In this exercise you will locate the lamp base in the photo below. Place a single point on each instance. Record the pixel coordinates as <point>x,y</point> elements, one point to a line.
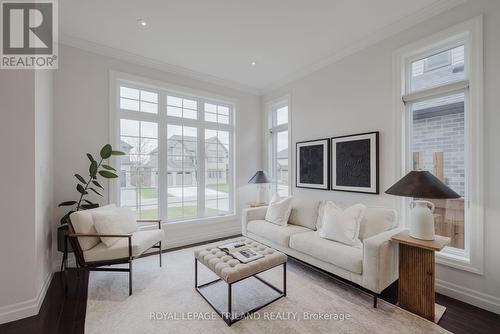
<point>422,220</point>
<point>262,193</point>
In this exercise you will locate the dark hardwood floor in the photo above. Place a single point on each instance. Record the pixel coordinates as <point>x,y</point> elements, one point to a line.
<point>64,307</point>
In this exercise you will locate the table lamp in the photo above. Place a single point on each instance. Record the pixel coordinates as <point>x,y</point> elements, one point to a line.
<point>422,184</point>
<point>261,179</point>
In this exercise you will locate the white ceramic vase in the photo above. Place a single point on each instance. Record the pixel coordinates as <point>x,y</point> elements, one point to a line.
<point>422,220</point>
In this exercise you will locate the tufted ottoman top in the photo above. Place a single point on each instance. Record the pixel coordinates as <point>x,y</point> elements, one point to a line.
<point>230,269</point>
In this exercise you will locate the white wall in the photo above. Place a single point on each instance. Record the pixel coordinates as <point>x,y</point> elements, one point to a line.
<point>17,194</point>
<point>355,95</point>
<point>26,192</point>
<point>44,176</point>
<point>81,124</point>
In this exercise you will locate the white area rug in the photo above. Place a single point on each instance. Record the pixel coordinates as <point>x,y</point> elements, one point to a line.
<point>168,295</point>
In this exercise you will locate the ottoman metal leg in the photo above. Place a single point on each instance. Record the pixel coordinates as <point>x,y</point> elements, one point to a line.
<point>228,317</point>
<point>284,279</point>
<point>229,303</point>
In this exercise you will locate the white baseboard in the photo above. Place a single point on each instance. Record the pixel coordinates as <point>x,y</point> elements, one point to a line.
<point>205,237</point>
<point>470,296</point>
<point>26,308</point>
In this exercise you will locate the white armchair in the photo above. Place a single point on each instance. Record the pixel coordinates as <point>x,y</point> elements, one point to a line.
<point>122,246</point>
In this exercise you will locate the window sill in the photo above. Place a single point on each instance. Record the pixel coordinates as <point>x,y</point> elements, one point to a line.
<point>189,223</point>
<point>211,219</point>
<point>457,261</point>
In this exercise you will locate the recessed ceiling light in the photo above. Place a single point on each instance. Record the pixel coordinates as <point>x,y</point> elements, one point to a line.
<point>253,63</point>
<point>142,22</point>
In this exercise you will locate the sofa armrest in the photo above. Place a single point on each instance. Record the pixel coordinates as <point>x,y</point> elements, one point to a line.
<point>250,214</point>
<point>380,260</point>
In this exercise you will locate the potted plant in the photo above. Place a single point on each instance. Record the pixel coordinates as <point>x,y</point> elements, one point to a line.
<point>84,186</point>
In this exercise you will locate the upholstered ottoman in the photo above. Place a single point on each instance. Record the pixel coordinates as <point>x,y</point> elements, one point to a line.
<point>231,271</point>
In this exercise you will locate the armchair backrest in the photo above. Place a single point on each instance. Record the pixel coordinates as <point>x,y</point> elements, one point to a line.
<point>82,222</point>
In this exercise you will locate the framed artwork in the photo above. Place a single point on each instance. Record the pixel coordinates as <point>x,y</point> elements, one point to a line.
<point>313,164</point>
<point>355,163</point>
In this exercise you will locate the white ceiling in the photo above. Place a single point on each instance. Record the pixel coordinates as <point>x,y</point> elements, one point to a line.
<point>220,38</point>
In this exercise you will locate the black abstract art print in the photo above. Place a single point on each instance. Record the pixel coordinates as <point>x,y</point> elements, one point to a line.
<point>313,164</point>
<point>355,163</point>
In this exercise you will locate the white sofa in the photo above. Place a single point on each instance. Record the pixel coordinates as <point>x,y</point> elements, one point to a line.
<point>373,265</point>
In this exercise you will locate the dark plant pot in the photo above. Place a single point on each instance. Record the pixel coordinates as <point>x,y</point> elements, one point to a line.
<point>62,232</point>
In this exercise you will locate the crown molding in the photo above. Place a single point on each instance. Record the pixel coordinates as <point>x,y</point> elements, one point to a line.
<point>335,55</point>
<point>134,58</point>
<point>374,38</point>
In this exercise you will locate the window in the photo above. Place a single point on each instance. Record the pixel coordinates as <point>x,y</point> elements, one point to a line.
<point>442,131</point>
<point>138,100</point>
<point>179,162</point>
<point>139,167</point>
<point>279,147</point>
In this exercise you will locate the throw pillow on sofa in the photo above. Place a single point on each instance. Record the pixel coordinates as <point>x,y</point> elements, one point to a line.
<point>304,212</point>
<point>279,210</point>
<point>342,225</point>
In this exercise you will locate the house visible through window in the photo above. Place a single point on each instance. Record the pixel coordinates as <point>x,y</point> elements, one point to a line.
<point>437,132</point>
<point>278,147</point>
<point>178,162</point>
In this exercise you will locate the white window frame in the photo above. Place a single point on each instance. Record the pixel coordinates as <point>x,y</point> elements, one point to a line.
<point>271,139</point>
<point>116,79</point>
<point>471,34</point>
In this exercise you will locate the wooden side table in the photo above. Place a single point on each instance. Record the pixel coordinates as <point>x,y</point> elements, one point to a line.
<point>417,274</point>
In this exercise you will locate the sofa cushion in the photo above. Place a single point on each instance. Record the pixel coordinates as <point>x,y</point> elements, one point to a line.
<point>279,235</point>
<point>377,220</point>
<point>346,257</point>
<point>279,210</point>
<point>304,213</point>
<point>141,242</point>
<point>83,222</point>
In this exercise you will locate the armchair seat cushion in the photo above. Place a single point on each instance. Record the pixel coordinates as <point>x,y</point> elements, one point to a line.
<point>277,234</point>
<point>141,242</point>
<point>341,255</point>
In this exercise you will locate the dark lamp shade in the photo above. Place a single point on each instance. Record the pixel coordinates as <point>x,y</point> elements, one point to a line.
<point>421,184</point>
<point>260,177</point>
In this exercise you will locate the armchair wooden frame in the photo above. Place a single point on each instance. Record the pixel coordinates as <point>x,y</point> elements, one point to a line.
<point>81,264</point>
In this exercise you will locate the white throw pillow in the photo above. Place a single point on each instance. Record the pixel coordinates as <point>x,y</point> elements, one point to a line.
<point>279,210</point>
<point>127,218</point>
<point>342,225</point>
<point>304,213</point>
<point>109,222</point>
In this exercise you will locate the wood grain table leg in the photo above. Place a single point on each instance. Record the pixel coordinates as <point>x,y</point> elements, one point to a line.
<point>416,280</point>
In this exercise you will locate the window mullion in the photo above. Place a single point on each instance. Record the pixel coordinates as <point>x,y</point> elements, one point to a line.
<point>200,168</point>
<point>441,90</point>
<point>163,157</point>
